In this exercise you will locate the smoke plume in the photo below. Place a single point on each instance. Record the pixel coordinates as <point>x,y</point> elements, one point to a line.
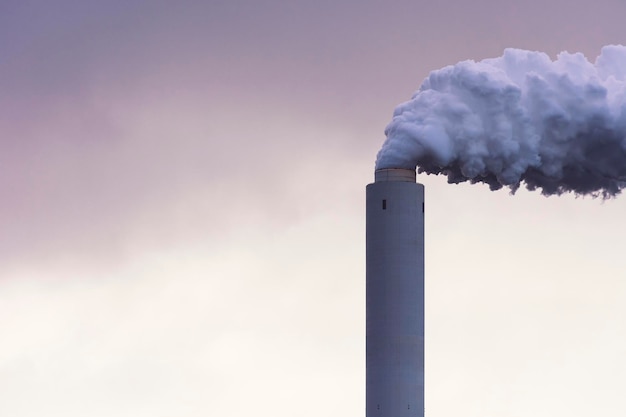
<point>557,126</point>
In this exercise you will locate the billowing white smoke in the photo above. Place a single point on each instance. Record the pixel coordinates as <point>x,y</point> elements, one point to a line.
<point>558,126</point>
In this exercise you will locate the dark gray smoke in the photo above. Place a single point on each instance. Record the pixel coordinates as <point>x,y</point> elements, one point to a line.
<point>557,126</point>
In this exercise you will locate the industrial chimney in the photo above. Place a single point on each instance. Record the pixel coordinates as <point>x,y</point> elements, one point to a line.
<point>395,295</point>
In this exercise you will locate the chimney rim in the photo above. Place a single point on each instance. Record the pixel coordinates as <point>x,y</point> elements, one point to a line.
<point>395,174</point>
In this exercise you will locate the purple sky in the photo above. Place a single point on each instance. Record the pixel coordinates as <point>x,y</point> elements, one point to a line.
<point>182,221</point>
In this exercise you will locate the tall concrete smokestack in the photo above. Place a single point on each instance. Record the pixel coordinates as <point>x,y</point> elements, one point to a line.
<point>395,295</point>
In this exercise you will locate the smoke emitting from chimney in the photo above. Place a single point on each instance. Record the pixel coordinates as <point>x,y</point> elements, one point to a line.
<point>557,126</point>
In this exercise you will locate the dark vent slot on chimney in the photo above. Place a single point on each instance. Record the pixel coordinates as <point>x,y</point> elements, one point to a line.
<point>384,204</point>
<point>422,207</point>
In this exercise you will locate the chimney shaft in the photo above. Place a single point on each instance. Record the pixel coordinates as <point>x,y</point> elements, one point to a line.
<point>395,295</point>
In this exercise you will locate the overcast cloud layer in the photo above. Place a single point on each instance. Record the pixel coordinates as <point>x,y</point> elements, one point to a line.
<point>182,219</point>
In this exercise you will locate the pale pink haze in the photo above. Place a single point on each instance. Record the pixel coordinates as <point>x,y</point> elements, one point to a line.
<point>182,219</point>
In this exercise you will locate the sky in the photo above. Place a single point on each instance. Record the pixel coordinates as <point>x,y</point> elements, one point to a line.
<point>182,227</point>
